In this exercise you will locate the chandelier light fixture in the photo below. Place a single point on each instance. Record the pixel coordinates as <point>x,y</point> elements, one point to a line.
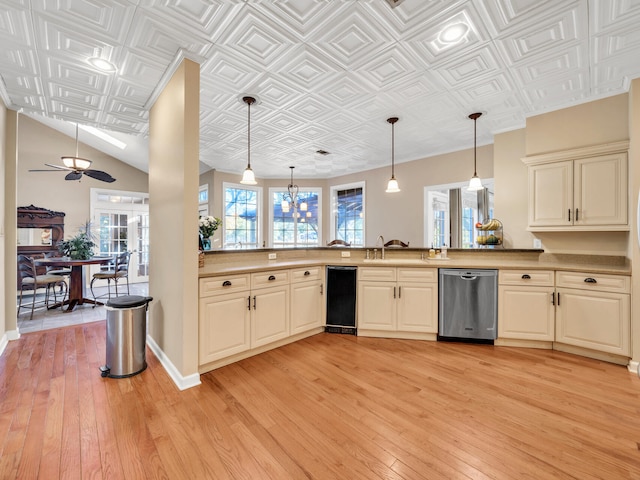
<point>290,199</point>
<point>248,177</point>
<point>475,184</point>
<point>392,186</point>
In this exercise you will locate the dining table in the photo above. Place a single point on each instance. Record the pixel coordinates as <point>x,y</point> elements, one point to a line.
<point>77,283</point>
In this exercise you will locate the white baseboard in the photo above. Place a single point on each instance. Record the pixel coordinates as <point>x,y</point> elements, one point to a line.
<point>7,337</point>
<point>634,367</point>
<point>181,381</point>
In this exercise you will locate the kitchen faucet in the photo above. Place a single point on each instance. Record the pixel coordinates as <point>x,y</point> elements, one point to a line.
<point>380,237</point>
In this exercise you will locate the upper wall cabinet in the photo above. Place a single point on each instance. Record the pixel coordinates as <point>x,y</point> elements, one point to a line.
<point>582,189</point>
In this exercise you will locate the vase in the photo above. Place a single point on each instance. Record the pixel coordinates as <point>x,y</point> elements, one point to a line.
<point>206,243</point>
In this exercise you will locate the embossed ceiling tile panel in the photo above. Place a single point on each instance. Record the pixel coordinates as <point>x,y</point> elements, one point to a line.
<point>573,88</point>
<point>431,49</point>
<point>130,91</point>
<point>609,14</point>
<point>67,40</point>
<point>76,97</point>
<point>15,25</point>
<point>303,17</point>
<point>162,39</point>
<point>542,67</point>
<point>17,60</point>
<point>626,39</point>
<point>510,15</point>
<point>616,74</point>
<point>208,18</point>
<point>75,74</point>
<point>256,36</point>
<point>391,66</point>
<point>71,112</point>
<point>125,124</point>
<point>485,89</point>
<point>352,37</point>
<point>103,18</point>
<point>545,35</point>
<point>410,15</point>
<point>304,66</point>
<point>461,69</point>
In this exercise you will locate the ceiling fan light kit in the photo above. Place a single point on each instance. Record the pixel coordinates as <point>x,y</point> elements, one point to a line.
<point>77,167</point>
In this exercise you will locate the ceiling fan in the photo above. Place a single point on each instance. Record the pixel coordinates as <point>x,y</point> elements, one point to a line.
<point>77,167</point>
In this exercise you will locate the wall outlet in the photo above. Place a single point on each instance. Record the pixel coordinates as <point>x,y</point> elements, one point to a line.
<point>272,256</point>
<point>537,243</point>
<point>345,254</point>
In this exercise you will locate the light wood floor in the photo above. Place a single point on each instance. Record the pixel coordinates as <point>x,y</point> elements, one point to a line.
<point>329,407</point>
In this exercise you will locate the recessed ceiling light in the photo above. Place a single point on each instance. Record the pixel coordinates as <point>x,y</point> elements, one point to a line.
<point>453,33</point>
<point>102,64</point>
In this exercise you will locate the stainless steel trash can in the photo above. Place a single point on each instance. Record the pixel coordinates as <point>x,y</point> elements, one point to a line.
<point>126,336</point>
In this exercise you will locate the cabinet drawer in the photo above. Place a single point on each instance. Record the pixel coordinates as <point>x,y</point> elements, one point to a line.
<point>306,274</point>
<point>269,279</point>
<point>594,281</point>
<point>223,284</point>
<point>429,275</point>
<point>377,274</point>
<point>539,278</point>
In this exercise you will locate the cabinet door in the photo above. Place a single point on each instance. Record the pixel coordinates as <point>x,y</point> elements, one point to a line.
<point>224,326</point>
<point>551,194</point>
<point>377,305</point>
<point>306,306</point>
<point>600,190</point>
<point>526,313</point>
<point>418,307</point>
<point>595,320</point>
<point>269,315</point>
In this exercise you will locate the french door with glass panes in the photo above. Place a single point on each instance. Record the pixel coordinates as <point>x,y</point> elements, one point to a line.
<point>121,223</point>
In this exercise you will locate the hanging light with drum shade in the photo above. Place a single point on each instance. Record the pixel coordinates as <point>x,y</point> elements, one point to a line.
<point>248,177</point>
<point>475,184</point>
<point>392,186</point>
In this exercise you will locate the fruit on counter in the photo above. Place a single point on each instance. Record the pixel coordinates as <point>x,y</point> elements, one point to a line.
<point>481,240</point>
<point>492,224</point>
<point>479,225</point>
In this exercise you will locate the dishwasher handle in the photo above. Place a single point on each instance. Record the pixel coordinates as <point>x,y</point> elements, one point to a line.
<point>468,277</point>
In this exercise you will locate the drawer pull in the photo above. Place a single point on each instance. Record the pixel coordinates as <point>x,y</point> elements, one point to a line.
<point>590,280</point>
<point>526,276</point>
<point>307,273</point>
<point>226,283</point>
<point>272,277</point>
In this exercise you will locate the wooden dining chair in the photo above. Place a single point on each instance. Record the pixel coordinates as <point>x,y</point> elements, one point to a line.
<point>30,280</point>
<point>116,271</point>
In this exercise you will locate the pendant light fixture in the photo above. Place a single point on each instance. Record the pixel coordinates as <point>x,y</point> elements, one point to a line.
<point>290,199</point>
<point>248,177</point>
<point>392,186</point>
<point>475,184</point>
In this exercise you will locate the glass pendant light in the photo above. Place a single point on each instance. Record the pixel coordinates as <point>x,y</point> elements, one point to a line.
<point>475,184</point>
<point>248,177</point>
<point>392,186</point>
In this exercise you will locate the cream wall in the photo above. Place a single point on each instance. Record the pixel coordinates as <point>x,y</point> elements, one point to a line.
<point>3,281</point>
<point>174,128</point>
<point>10,153</point>
<point>39,144</point>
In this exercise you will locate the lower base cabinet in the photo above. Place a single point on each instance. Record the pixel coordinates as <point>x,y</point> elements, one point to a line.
<point>269,315</point>
<point>224,326</point>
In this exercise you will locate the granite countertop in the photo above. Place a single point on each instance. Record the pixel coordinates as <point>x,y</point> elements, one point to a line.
<point>552,263</point>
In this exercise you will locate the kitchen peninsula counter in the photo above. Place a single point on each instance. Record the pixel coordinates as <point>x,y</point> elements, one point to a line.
<point>232,262</point>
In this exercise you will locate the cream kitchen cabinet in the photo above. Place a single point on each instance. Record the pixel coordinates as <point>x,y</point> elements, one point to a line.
<point>593,311</point>
<point>397,299</point>
<point>307,299</point>
<point>581,189</point>
<point>526,308</point>
<point>269,307</point>
<point>224,317</point>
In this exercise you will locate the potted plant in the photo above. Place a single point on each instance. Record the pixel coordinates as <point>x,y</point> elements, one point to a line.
<point>79,247</point>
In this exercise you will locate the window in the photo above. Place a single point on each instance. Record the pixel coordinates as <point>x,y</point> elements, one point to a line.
<point>203,200</point>
<point>241,225</point>
<point>295,227</point>
<point>451,213</point>
<point>347,213</point>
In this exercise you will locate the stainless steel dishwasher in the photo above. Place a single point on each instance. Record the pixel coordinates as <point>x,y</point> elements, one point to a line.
<point>468,305</point>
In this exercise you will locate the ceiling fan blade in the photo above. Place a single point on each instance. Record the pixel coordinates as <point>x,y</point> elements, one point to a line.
<point>73,176</point>
<point>59,167</point>
<point>48,170</point>
<point>99,175</point>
